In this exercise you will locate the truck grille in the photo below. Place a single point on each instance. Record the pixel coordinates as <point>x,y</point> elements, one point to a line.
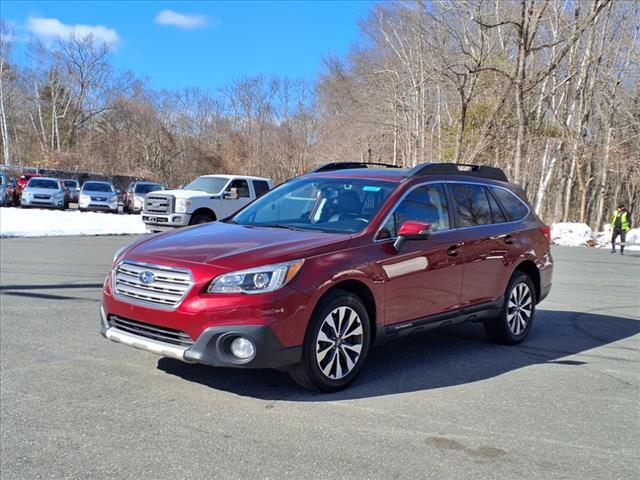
<point>153,332</point>
<point>154,203</point>
<point>161,286</point>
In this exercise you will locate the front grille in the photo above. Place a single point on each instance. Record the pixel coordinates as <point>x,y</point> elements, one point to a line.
<point>40,196</point>
<point>154,203</point>
<point>167,287</point>
<point>153,332</point>
<point>99,199</point>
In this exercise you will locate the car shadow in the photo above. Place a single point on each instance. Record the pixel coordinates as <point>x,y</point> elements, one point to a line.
<point>447,357</point>
<point>32,291</point>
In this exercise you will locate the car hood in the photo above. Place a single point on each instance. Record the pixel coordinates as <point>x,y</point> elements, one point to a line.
<point>187,193</point>
<point>234,247</point>
<point>42,191</point>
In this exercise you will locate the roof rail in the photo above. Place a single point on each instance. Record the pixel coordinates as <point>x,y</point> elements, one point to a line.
<point>329,167</point>
<point>482,171</point>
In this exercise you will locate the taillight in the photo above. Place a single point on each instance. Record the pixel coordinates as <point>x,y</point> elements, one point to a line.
<point>546,230</point>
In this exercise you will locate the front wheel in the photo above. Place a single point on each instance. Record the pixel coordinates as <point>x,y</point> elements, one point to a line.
<point>336,344</point>
<point>514,323</point>
<point>201,218</point>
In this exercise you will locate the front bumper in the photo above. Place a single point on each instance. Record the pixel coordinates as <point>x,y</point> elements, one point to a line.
<point>162,222</point>
<point>37,202</point>
<point>211,347</point>
<point>98,206</point>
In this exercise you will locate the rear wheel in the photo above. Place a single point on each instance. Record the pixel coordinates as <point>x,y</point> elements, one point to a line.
<point>336,344</point>
<point>516,317</point>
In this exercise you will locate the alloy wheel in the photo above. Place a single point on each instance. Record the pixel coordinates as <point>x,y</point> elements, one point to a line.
<point>339,342</point>
<point>520,308</point>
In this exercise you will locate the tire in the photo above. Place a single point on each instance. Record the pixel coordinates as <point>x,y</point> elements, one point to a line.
<point>514,323</point>
<point>329,365</point>
<point>201,218</point>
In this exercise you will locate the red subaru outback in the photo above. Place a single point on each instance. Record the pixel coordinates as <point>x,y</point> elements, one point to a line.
<point>314,273</point>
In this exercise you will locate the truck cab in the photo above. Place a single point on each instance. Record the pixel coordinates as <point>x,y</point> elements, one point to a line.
<point>206,199</point>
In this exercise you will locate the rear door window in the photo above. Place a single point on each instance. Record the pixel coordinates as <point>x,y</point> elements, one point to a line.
<point>427,203</point>
<point>514,208</point>
<point>261,187</point>
<point>471,204</point>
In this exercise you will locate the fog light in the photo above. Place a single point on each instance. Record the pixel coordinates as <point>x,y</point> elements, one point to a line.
<point>242,348</point>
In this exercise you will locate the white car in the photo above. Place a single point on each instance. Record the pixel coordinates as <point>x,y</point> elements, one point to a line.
<point>98,196</point>
<point>43,192</point>
<point>206,199</point>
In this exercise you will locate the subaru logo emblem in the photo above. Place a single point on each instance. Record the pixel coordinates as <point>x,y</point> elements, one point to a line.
<point>147,277</point>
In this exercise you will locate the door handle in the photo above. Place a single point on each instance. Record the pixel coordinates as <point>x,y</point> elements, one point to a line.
<point>452,251</point>
<point>508,239</point>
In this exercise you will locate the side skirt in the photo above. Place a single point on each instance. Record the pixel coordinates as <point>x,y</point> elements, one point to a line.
<point>474,313</point>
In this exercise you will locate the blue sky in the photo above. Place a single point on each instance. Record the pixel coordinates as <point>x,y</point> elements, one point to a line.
<point>206,44</point>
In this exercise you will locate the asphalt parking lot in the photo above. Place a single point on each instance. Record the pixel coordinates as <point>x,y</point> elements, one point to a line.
<point>565,404</point>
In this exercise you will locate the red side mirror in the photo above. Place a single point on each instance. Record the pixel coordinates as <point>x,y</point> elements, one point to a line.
<point>412,230</point>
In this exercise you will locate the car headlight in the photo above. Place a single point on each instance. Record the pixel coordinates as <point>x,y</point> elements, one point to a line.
<point>84,198</point>
<point>256,280</point>
<point>182,205</point>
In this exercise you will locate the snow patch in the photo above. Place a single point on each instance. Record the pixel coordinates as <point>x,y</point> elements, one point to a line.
<point>569,234</point>
<point>18,222</point>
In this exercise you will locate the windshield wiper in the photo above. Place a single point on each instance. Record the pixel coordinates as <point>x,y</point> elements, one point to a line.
<point>277,225</point>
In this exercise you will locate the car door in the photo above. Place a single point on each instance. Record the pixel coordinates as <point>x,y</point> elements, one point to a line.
<point>425,277</point>
<point>235,196</point>
<point>484,249</point>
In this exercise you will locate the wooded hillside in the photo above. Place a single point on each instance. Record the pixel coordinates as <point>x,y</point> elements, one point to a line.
<point>547,90</point>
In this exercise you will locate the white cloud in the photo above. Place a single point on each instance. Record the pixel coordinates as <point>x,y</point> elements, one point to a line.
<point>50,28</point>
<point>182,20</point>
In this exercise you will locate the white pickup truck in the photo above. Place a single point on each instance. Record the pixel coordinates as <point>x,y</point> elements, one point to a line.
<point>206,199</point>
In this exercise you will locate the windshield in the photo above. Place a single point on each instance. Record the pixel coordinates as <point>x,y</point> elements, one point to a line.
<point>148,187</point>
<point>207,184</point>
<point>97,187</point>
<point>70,184</point>
<point>333,205</point>
<point>43,183</point>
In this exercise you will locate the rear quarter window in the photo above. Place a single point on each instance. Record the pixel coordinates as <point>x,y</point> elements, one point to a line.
<point>514,208</point>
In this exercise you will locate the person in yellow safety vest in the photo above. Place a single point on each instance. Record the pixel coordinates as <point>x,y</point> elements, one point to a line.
<point>620,225</point>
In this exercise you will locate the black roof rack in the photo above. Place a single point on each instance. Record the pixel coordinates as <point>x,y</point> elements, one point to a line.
<point>482,171</point>
<point>329,167</point>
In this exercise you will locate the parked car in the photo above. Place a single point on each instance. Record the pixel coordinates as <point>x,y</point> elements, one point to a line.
<point>43,192</point>
<point>311,275</point>
<point>207,198</point>
<point>73,189</point>
<point>23,180</point>
<point>5,194</point>
<point>13,193</point>
<point>133,201</point>
<point>99,196</point>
